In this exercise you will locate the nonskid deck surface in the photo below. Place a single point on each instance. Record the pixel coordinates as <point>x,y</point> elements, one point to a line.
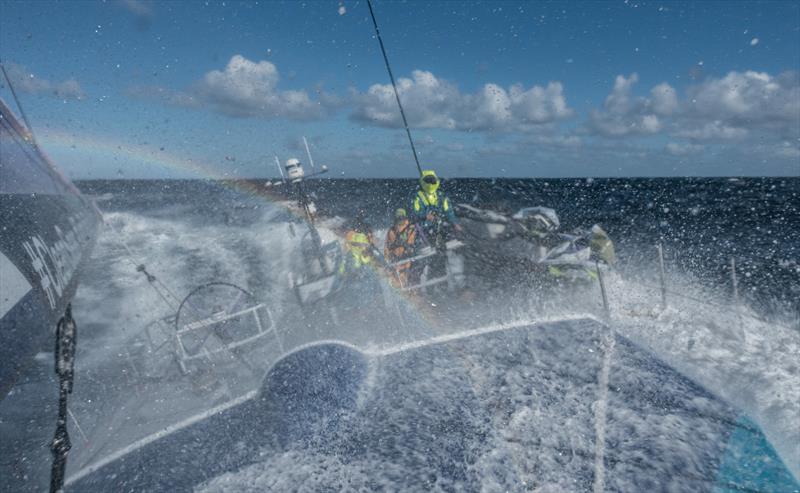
<point>516,408</point>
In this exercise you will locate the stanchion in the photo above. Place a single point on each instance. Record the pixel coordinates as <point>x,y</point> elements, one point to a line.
<point>662,276</point>
<point>736,307</point>
<point>601,406</point>
<point>601,280</point>
<point>735,284</point>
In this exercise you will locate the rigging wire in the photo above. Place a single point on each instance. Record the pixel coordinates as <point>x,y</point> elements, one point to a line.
<point>29,137</point>
<point>394,86</point>
<point>161,289</point>
<point>19,105</point>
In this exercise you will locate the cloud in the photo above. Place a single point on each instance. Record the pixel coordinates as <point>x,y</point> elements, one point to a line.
<point>664,99</point>
<point>740,113</point>
<point>731,108</point>
<point>557,140</point>
<point>623,114</point>
<point>751,98</point>
<point>742,106</point>
<point>162,94</point>
<point>788,150</point>
<point>431,102</point>
<point>25,81</point>
<point>244,89</point>
<point>137,7</point>
<point>247,88</point>
<point>677,149</point>
<point>142,11</point>
<point>715,130</point>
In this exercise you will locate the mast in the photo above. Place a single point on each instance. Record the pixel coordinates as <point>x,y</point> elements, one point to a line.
<point>310,159</point>
<point>280,170</point>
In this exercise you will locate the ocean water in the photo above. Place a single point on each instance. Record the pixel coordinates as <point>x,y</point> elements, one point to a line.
<point>702,223</point>
<point>189,233</point>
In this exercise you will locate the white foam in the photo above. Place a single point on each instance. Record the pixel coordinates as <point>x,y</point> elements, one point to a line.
<point>750,363</point>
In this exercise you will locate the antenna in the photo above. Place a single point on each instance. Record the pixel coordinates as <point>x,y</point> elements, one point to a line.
<point>280,170</point>
<point>394,86</point>
<point>310,160</point>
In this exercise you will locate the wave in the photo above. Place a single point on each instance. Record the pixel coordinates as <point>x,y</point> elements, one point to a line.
<point>747,362</point>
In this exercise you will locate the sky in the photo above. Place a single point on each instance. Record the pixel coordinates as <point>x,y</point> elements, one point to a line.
<point>145,89</point>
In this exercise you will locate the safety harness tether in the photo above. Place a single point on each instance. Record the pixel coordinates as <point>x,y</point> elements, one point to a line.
<point>66,338</point>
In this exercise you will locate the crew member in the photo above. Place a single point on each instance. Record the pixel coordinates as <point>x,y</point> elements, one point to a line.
<point>358,255</point>
<point>400,242</point>
<point>431,206</point>
<point>434,213</point>
<point>361,225</point>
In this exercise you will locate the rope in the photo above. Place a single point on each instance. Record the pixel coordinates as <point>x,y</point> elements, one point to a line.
<point>394,86</point>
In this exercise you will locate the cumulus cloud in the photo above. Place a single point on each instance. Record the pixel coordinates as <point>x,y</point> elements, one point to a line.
<point>748,98</point>
<point>738,106</point>
<point>624,114</point>
<point>664,99</point>
<point>25,81</point>
<point>247,88</point>
<point>742,106</point>
<point>431,102</point>
<point>244,89</point>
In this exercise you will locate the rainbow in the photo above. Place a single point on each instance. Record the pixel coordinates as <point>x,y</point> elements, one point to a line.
<point>114,150</point>
<point>143,154</point>
<point>106,148</point>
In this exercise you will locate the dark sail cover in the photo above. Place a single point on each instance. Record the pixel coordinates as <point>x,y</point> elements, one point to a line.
<point>47,230</point>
